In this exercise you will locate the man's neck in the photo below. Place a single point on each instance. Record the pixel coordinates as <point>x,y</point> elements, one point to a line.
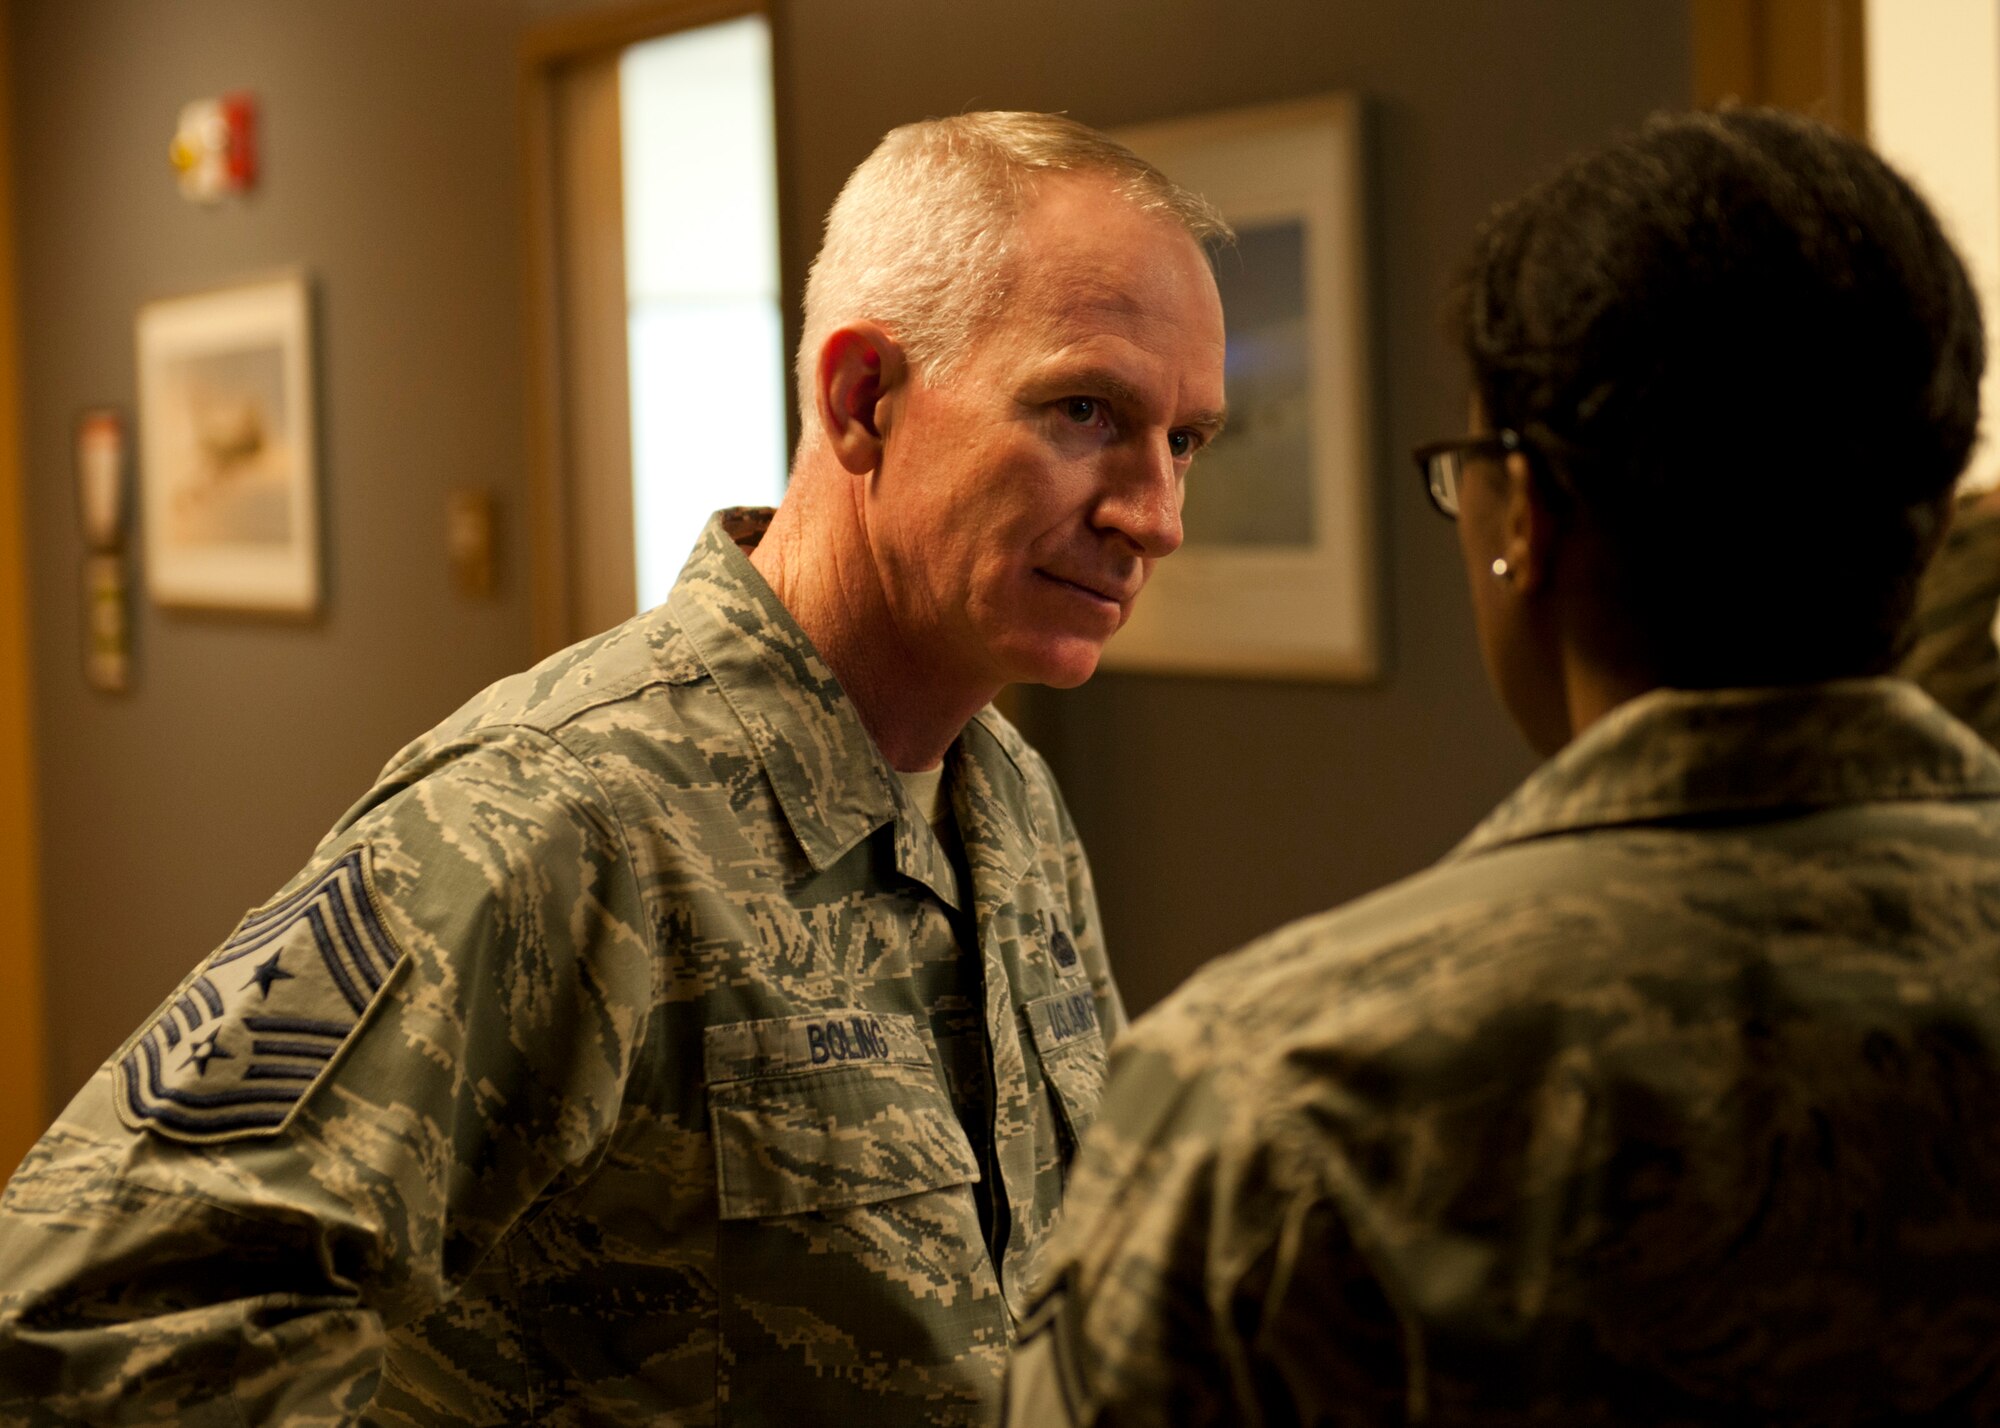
<point>817,566</point>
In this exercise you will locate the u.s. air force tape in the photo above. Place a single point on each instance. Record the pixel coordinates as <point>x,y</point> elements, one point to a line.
<point>250,1036</point>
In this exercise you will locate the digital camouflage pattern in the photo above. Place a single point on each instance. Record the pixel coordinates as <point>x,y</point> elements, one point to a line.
<point>1952,652</point>
<point>1667,1098</point>
<point>580,1078</point>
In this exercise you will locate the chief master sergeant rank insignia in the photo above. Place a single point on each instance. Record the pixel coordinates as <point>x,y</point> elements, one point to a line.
<point>247,1038</point>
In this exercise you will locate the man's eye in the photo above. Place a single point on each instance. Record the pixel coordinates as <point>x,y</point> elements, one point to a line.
<point>1082,410</point>
<point>1183,443</point>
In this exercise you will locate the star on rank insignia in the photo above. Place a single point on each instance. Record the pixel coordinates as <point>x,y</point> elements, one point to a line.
<point>268,972</point>
<point>205,1050</point>
<point>250,1035</point>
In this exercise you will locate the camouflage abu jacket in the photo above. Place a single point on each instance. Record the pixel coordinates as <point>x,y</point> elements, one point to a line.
<point>1669,1097</point>
<point>580,1079</point>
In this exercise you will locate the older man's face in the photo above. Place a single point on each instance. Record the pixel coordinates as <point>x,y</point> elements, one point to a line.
<point>1022,501</point>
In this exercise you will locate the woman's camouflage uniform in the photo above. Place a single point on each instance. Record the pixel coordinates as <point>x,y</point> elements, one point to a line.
<point>1670,1096</point>
<point>582,1077</point>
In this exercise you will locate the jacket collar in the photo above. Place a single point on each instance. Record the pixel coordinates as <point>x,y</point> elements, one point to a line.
<point>995,818</point>
<point>1677,753</point>
<point>832,782</point>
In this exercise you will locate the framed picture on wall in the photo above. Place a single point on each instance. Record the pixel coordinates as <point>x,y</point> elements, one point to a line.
<point>1277,575</point>
<point>228,476</point>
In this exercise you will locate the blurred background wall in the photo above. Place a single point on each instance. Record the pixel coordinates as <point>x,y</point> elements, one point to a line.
<point>1213,808</point>
<point>390,164</point>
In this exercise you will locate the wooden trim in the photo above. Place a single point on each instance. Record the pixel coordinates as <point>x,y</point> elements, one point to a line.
<point>22,1033</point>
<point>1726,45</point>
<point>550,617</point>
<point>595,368</point>
<point>574,37</point>
<point>1804,55</point>
<point>1847,67</point>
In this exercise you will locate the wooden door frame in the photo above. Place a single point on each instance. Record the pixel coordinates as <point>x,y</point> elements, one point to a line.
<point>1805,55</point>
<point>545,51</point>
<point>23,1033</point>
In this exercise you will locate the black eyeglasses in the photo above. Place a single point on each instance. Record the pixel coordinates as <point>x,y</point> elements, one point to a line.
<point>1441,463</point>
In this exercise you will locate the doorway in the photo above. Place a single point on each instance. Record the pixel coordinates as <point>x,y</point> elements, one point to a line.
<point>657,362</point>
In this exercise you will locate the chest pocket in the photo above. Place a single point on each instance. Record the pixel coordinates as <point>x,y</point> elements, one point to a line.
<point>1070,1045</point>
<point>827,1111</point>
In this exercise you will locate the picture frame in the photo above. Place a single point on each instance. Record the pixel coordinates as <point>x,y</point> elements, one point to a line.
<point>228,449</point>
<point>1277,575</point>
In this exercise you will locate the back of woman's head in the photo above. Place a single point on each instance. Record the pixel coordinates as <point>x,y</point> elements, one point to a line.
<point>1745,355</point>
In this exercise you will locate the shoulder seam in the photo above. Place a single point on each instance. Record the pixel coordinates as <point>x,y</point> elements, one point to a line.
<point>658,673</point>
<point>573,710</point>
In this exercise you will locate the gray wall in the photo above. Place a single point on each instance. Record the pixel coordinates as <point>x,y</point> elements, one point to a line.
<point>389,147</point>
<point>1213,809</point>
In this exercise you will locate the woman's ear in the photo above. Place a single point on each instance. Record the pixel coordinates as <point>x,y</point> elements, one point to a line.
<point>1530,530</point>
<point>861,369</point>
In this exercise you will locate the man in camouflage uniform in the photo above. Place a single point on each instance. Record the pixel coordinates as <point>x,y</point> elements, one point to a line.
<point>654,1043</point>
<point>1670,1095</point>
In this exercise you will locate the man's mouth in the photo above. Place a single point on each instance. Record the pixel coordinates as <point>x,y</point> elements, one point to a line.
<point>1108,593</point>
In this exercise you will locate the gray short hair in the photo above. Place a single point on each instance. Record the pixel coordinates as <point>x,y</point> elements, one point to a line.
<point>918,238</point>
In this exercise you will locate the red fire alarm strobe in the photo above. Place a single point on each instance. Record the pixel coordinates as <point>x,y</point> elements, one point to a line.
<point>215,148</point>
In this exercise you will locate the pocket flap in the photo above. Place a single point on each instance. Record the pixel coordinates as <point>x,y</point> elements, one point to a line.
<point>827,1111</point>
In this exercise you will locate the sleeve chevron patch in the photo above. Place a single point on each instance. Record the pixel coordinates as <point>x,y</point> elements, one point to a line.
<point>247,1039</point>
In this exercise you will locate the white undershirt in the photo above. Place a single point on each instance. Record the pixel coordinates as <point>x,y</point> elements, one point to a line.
<point>926,790</point>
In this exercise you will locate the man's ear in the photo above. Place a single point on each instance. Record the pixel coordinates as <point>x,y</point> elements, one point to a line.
<point>861,368</point>
<point>1532,530</point>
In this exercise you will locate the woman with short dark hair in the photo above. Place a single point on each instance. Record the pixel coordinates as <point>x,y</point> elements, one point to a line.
<point>1671,1096</point>
<point>1742,363</point>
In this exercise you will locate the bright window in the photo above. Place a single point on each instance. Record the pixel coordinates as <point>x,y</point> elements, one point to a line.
<point>705,339</point>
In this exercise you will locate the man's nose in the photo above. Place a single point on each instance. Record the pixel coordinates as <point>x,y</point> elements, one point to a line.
<point>1142,500</point>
